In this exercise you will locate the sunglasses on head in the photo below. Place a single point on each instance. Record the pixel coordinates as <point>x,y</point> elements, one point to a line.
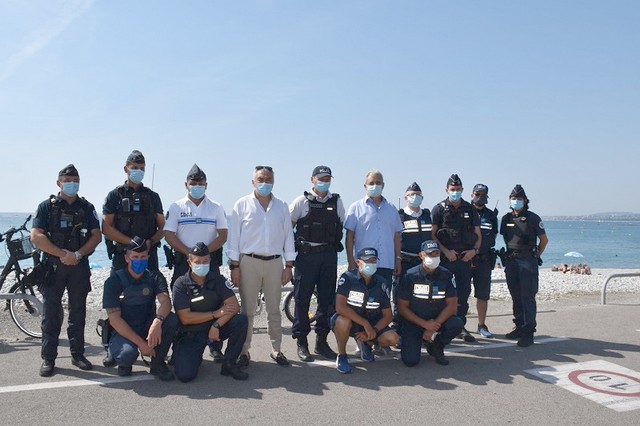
<point>269,168</point>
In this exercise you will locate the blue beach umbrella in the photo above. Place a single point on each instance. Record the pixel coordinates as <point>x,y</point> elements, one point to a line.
<point>573,254</point>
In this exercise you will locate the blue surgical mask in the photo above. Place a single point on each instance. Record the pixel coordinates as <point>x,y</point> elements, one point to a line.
<point>414,200</point>
<point>264,188</point>
<point>368,269</point>
<point>374,190</point>
<point>322,186</point>
<point>455,195</point>
<point>139,265</point>
<point>517,204</point>
<point>197,191</point>
<point>200,269</point>
<point>70,188</point>
<point>136,175</point>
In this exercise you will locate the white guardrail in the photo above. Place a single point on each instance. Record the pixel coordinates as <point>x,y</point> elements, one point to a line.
<point>603,292</point>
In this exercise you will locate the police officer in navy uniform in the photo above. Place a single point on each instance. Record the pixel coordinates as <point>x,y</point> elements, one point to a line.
<point>456,228</point>
<point>427,301</point>
<point>130,297</point>
<point>317,217</point>
<point>416,228</point>
<point>131,210</point>
<point>208,312</point>
<point>485,260</point>
<point>525,239</point>
<point>363,310</point>
<point>66,228</point>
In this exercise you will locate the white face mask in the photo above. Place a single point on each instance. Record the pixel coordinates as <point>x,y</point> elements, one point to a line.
<point>431,262</point>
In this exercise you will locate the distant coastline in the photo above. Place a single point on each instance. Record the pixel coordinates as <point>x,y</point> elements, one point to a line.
<point>613,216</point>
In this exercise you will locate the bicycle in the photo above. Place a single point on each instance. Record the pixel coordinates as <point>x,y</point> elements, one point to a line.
<point>24,300</point>
<point>289,306</point>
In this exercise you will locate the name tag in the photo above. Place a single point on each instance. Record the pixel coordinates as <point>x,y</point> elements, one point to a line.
<point>356,298</point>
<point>421,291</point>
<point>511,224</point>
<point>197,299</point>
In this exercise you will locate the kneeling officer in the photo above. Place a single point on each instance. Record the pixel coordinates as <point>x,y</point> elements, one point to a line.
<point>427,302</point>
<point>208,312</point>
<point>130,301</point>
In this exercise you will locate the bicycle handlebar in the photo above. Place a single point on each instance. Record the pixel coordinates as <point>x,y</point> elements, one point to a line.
<point>13,230</point>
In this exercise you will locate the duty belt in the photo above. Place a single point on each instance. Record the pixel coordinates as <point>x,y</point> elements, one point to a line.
<point>519,254</point>
<point>258,256</point>
<point>308,249</point>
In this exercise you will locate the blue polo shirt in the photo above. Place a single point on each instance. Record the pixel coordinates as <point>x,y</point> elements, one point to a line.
<point>368,301</point>
<point>427,293</point>
<point>374,226</point>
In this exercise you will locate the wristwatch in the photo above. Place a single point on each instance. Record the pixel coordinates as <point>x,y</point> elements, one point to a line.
<point>215,325</point>
<point>78,255</point>
<point>160,317</point>
<point>233,266</point>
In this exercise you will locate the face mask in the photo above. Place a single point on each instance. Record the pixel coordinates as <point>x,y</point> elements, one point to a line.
<point>517,204</point>
<point>70,188</point>
<point>322,186</point>
<point>264,189</point>
<point>197,191</point>
<point>139,265</point>
<point>431,262</point>
<point>455,195</point>
<point>480,200</point>
<point>200,269</point>
<point>136,175</point>
<point>374,190</point>
<point>368,269</point>
<point>414,200</point>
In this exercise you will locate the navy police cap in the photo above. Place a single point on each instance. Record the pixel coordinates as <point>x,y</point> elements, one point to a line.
<point>200,249</point>
<point>321,171</point>
<point>367,253</point>
<point>429,246</point>
<point>481,188</point>
<point>137,244</point>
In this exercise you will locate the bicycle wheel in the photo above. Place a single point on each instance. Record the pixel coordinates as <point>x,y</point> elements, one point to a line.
<point>25,313</point>
<point>290,306</point>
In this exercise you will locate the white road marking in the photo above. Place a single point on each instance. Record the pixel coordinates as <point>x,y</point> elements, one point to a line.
<point>75,383</point>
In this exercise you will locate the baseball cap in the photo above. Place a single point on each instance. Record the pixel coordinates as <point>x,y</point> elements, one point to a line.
<point>322,171</point>
<point>429,246</point>
<point>367,253</point>
<point>481,188</point>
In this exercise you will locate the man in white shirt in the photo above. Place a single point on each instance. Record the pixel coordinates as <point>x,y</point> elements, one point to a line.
<point>259,236</point>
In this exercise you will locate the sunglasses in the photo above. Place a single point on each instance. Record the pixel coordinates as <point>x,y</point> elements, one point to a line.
<point>269,168</point>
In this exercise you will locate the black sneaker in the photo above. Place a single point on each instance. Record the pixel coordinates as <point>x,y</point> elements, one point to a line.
<point>216,354</point>
<point>466,336</point>
<point>303,353</point>
<point>243,360</point>
<point>159,369</point>
<point>514,334</point>
<point>526,340</point>
<point>229,368</point>
<point>107,361</point>
<point>280,359</point>
<point>47,367</point>
<point>436,350</point>
<point>124,371</point>
<point>82,363</point>
<point>323,348</point>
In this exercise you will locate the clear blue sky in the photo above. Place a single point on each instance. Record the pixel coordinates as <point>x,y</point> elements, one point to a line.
<point>541,93</point>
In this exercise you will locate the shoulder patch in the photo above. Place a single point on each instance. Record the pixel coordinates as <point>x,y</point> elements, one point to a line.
<point>341,281</point>
<point>229,284</point>
<point>453,281</point>
<point>541,225</point>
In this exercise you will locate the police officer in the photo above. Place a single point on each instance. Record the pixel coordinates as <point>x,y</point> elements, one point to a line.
<point>416,228</point>
<point>427,303</point>
<point>525,239</point>
<point>66,228</point>
<point>317,217</point>
<point>363,310</point>
<point>132,209</point>
<point>485,260</point>
<point>129,298</point>
<point>208,311</point>
<point>456,228</point>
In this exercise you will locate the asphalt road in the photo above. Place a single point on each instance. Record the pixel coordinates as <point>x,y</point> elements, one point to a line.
<point>485,383</point>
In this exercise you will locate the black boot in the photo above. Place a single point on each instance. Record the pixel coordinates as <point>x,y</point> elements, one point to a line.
<point>436,350</point>
<point>229,368</point>
<point>159,368</point>
<point>526,340</point>
<point>303,349</point>
<point>323,348</point>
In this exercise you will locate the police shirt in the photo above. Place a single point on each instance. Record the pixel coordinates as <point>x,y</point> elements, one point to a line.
<point>187,294</point>
<point>195,223</point>
<point>368,301</point>
<point>488,228</point>
<point>464,216</point>
<point>427,293</point>
<point>136,298</point>
<point>521,232</point>
<point>113,202</point>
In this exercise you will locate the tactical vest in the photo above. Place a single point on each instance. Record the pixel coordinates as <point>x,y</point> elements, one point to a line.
<point>137,301</point>
<point>135,215</point>
<point>415,230</point>
<point>519,232</point>
<point>487,219</point>
<point>202,299</point>
<point>68,224</point>
<point>457,231</point>
<point>322,223</point>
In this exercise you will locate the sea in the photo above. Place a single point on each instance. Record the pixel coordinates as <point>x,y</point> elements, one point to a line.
<point>601,244</point>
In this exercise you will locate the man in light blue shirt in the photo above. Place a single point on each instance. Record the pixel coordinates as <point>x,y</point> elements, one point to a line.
<point>374,222</point>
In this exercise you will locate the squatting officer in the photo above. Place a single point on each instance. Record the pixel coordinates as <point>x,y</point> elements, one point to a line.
<point>456,228</point>
<point>521,229</point>
<point>427,303</point>
<point>208,311</point>
<point>363,310</point>
<point>317,217</point>
<point>129,298</point>
<point>485,260</point>
<point>131,210</point>
<point>66,228</point>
